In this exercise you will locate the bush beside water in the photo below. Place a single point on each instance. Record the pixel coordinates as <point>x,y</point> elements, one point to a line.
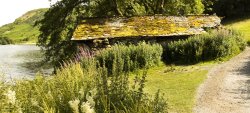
<point>5,41</point>
<point>214,45</point>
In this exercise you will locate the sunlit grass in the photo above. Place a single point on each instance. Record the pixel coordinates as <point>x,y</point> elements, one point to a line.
<point>178,83</point>
<point>243,26</point>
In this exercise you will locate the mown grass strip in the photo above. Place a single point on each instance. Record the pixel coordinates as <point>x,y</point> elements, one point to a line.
<point>178,83</point>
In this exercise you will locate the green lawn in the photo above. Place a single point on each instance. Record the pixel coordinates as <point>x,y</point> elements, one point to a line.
<point>178,83</point>
<point>242,25</point>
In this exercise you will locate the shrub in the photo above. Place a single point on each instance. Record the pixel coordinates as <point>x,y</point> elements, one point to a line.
<point>130,57</point>
<point>54,93</point>
<point>115,96</point>
<point>223,43</point>
<point>213,45</point>
<point>5,41</point>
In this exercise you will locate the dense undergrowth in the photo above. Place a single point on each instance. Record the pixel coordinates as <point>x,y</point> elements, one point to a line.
<point>100,82</point>
<point>85,86</point>
<point>213,45</point>
<point>132,57</point>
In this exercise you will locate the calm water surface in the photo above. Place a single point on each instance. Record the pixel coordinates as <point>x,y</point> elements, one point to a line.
<point>21,61</point>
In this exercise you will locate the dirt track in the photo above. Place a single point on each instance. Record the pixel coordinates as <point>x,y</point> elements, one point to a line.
<point>227,88</point>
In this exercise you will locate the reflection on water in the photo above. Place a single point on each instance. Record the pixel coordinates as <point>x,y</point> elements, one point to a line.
<point>21,61</point>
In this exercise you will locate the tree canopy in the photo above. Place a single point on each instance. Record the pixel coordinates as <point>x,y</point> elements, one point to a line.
<point>227,8</point>
<point>62,18</point>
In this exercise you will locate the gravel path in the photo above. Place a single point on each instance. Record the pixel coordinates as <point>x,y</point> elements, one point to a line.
<point>227,87</point>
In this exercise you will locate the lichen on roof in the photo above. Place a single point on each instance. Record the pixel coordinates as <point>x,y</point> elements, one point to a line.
<point>95,28</point>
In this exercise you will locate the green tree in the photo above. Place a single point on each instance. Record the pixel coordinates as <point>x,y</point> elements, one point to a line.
<point>208,4</point>
<point>5,40</point>
<point>57,29</point>
<point>61,19</point>
<point>173,7</point>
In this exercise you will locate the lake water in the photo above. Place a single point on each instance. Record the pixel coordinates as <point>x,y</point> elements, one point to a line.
<point>21,61</point>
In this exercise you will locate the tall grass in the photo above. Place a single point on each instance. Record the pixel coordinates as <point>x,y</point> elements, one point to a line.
<point>131,57</point>
<point>84,87</point>
<point>214,45</point>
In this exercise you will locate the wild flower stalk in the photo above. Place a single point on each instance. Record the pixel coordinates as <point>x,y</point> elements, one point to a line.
<point>11,97</point>
<point>87,108</point>
<point>75,105</point>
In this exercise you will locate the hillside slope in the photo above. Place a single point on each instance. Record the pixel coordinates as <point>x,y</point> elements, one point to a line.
<point>22,30</point>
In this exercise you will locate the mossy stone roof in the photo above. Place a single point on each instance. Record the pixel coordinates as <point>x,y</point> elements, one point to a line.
<point>95,28</point>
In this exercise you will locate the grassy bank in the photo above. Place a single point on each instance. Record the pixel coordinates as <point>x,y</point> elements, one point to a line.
<point>178,83</point>
<point>242,25</point>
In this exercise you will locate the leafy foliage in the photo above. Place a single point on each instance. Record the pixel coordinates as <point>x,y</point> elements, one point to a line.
<point>173,7</point>
<point>62,18</point>
<point>5,41</point>
<point>209,6</point>
<point>57,28</point>
<point>115,96</point>
<point>217,44</point>
<point>130,57</point>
